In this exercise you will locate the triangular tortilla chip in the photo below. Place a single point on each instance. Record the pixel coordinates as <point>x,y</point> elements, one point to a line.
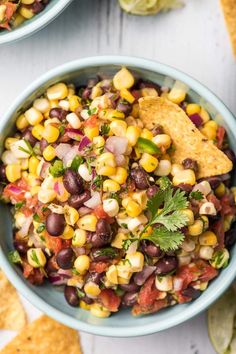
<point>44,336</point>
<point>188,141</point>
<point>12,314</point>
<point>229,9</point>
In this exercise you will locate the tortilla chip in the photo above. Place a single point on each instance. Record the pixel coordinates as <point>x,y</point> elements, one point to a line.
<point>188,141</point>
<point>12,314</point>
<point>44,336</point>
<point>229,9</point>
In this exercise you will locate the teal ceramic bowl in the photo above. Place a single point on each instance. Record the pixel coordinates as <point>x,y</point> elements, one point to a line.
<point>47,298</point>
<point>28,27</point>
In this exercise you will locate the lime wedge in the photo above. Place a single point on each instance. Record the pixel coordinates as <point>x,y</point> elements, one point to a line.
<point>221,321</point>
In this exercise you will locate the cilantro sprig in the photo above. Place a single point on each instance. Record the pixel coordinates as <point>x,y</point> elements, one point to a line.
<point>197,195</point>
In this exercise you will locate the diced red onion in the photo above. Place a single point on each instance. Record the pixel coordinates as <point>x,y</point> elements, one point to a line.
<point>94,201</point>
<point>14,189</point>
<point>117,144</point>
<point>59,188</point>
<point>84,211</point>
<point>25,227</point>
<point>196,119</point>
<point>74,134</point>
<point>84,142</point>
<point>120,160</point>
<point>142,276</point>
<point>66,272</point>
<point>79,251</point>
<point>36,241</point>
<point>62,149</point>
<point>58,279</point>
<point>177,283</point>
<point>44,169</point>
<point>74,151</point>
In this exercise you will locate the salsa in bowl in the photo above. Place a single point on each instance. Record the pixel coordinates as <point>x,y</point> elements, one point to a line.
<point>122,196</point>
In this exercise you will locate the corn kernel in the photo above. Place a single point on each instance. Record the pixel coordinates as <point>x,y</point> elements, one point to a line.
<point>124,269</point>
<point>208,238</point>
<point>118,240</point>
<point>53,104</point>
<point>68,233</point>
<point>111,206</point>
<point>106,164</point>
<point>49,153</point>
<point>193,108</point>
<point>96,92</point>
<point>205,220</point>
<point>110,186</point>
<point>10,141</point>
<point>73,120</point>
<point>164,283</point>
<point>204,115</point>
<point>210,130</point>
<point>84,306</point>
<point>33,180</point>
<point>34,190</point>
<point>196,228</point>
<point>140,198</point>
<point>162,140</point>
<point>118,127</point>
<point>136,260</point>
<point>51,133</point>
<point>91,132</point>
<point>46,196</point>
<point>163,169</point>
<point>33,164</point>
<point>33,116</point>
<point>87,222</point>
<point>148,162</point>
<point>36,257</point>
<point>37,131</point>
<point>57,92</point>
<point>22,122</point>
<point>206,252</point>
<point>74,102</point>
<point>132,134</point>
<point>220,190</point>
<point>133,209</point>
<point>82,264</point>
<point>71,215</point>
<point>178,92</point>
<point>124,93</point>
<point>112,275</point>
<point>99,311</point>
<point>98,143</point>
<point>146,134</point>
<point>123,79</point>
<point>113,114</point>
<point>79,238</point>
<point>175,168</point>
<point>185,176</point>
<point>189,214</point>
<point>13,172</point>
<point>149,91</point>
<point>91,289</point>
<point>26,12</point>
<point>42,105</point>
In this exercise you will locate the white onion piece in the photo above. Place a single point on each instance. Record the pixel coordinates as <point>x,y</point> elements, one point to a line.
<point>25,228</point>
<point>117,144</point>
<point>94,201</point>
<point>120,160</point>
<point>84,211</point>
<point>177,283</point>
<point>67,272</point>
<point>132,248</point>
<point>62,149</point>
<point>68,158</point>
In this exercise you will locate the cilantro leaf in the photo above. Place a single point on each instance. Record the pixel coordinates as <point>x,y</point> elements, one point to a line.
<point>106,251</point>
<point>127,243</point>
<point>36,217</point>
<point>14,257</point>
<point>97,182</point>
<point>40,228</point>
<point>105,129</point>
<point>34,257</point>
<point>165,239</point>
<point>57,169</point>
<point>92,111</point>
<point>197,195</point>
<point>164,182</point>
<point>177,220</point>
<point>155,202</point>
<point>77,161</point>
<point>80,293</point>
<point>19,205</point>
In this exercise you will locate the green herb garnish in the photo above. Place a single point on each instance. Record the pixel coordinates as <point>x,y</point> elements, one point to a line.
<point>77,161</point>
<point>106,251</point>
<point>19,205</point>
<point>92,111</point>
<point>28,150</point>
<point>197,195</point>
<point>57,169</point>
<point>105,129</point>
<point>97,182</point>
<point>127,243</point>
<point>40,228</point>
<point>35,258</point>
<point>62,129</point>
<point>14,257</point>
<point>75,272</point>
<point>80,293</point>
<point>165,239</point>
<point>36,217</point>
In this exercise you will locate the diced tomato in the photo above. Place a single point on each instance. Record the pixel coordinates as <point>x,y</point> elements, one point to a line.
<point>14,193</point>
<point>207,271</point>
<point>10,10</point>
<point>142,310</point>
<point>27,269</point>
<point>36,277</point>
<point>98,267</point>
<point>91,122</point>
<point>137,94</point>
<point>181,298</point>
<point>220,137</point>
<point>100,213</point>
<point>55,244</point>
<point>188,273</point>
<point>218,229</point>
<point>109,299</point>
<point>228,205</point>
<point>212,198</point>
<point>149,293</point>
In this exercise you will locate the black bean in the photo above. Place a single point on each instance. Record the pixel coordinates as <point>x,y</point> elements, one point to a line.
<point>158,129</point>
<point>125,108</point>
<point>230,154</point>
<point>230,236</point>
<point>214,181</point>
<point>129,299</point>
<point>43,144</point>
<point>58,113</point>
<point>87,300</point>
<point>71,295</point>
<point>131,287</point>
<point>21,246</point>
<point>190,164</point>
<point>94,277</point>
<point>92,82</point>
<point>140,178</point>
<point>37,7</point>
<point>103,233</point>
<point>3,177</point>
<point>150,249</point>
<point>185,187</point>
<point>78,200</point>
<point>55,224</point>
<point>166,265</point>
<point>73,183</point>
<point>27,135</point>
<point>86,93</point>
<point>148,84</point>
<point>65,258</point>
<point>152,191</point>
<point>191,292</point>
<point>51,266</point>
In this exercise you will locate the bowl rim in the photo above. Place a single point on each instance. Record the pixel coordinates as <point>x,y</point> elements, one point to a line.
<point>188,312</point>
<point>33,26</point>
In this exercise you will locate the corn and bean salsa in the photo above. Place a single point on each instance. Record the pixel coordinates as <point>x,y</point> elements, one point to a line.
<point>15,12</point>
<point>100,208</point>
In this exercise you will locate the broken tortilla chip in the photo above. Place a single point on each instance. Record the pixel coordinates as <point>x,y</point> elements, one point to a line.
<point>12,314</point>
<point>44,336</point>
<point>188,141</point>
<point>229,9</point>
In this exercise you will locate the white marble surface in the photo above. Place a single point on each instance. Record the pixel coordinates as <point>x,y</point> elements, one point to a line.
<point>193,39</point>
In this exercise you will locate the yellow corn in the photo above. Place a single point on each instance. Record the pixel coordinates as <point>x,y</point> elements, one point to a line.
<point>37,131</point>
<point>42,105</point>
<point>185,176</point>
<point>105,164</point>
<point>210,129</point>
<point>205,220</point>
<point>13,172</point>
<point>140,198</point>
<point>112,114</point>
<point>79,238</point>
<point>36,257</point>
<point>189,214</point>
<point>178,92</point>
<point>196,228</point>
<point>123,79</point>
<point>148,162</point>
<point>34,190</point>
<point>176,168</point>
<point>120,176</point>
<point>68,233</point>
<point>98,143</point>
<point>82,264</point>
<point>193,108</point>
<point>133,209</point>
<point>99,311</point>
<point>33,180</point>
<point>132,134</point>
<point>87,222</point>
<point>64,195</point>
<point>74,102</point>
<point>112,275</point>
<point>46,196</point>
<point>110,186</point>
<point>220,190</point>
<point>96,92</point>
<point>22,122</point>
<point>149,91</point>
<point>33,164</point>
<point>136,261</point>
<point>33,116</point>
<point>124,93</point>
<point>208,238</point>
<point>49,153</point>
<point>71,215</point>
<point>204,115</point>
<point>162,140</point>
<point>51,133</point>
<point>91,132</point>
<point>26,12</point>
<point>84,306</point>
<point>91,289</point>
<point>10,141</point>
<point>146,134</point>
<point>118,240</point>
<point>57,92</point>
<point>118,127</point>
